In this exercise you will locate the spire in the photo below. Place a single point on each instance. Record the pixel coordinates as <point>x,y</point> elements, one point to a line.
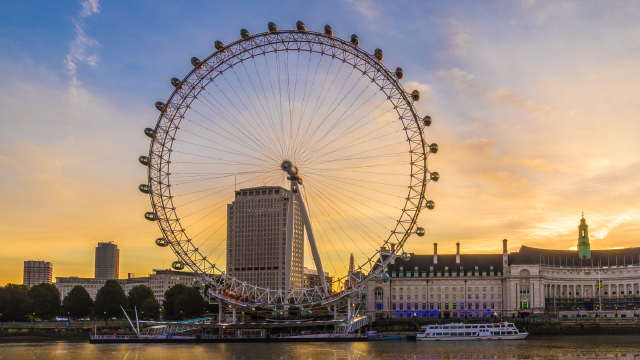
<point>352,263</point>
<point>584,248</point>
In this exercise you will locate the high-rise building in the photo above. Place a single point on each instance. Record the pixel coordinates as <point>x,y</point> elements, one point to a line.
<point>257,238</point>
<point>312,279</point>
<point>107,261</point>
<point>37,272</point>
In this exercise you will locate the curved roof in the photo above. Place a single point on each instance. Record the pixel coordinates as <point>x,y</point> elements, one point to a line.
<point>610,257</point>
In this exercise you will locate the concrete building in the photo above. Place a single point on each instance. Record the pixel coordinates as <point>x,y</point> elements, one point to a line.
<point>107,261</point>
<point>37,272</point>
<point>162,280</point>
<point>529,281</point>
<point>311,279</point>
<point>257,240</point>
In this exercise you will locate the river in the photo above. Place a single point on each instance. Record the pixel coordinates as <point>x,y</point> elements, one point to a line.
<point>541,347</point>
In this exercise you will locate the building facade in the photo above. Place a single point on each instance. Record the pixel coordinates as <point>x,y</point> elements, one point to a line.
<point>529,281</point>
<point>311,279</point>
<point>107,261</point>
<point>37,272</point>
<point>162,280</point>
<point>257,238</point>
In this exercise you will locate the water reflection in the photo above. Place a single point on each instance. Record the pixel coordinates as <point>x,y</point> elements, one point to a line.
<point>563,347</point>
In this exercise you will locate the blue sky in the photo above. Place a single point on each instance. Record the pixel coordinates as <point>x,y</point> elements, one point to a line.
<point>535,107</point>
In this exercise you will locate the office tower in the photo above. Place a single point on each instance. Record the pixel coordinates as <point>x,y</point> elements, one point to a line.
<point>107,261</point>
<point>257,238</point>
<point>37,272</point>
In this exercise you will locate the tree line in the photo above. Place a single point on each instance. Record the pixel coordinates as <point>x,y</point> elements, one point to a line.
<point>43,301</point>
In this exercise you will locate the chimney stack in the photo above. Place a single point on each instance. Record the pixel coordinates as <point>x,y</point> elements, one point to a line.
<point>435,253</point>
<point>458,253</point>
<point>505,257</point>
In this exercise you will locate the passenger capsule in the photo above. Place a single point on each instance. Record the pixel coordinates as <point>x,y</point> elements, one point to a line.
<point>197,284</point>
<point>430,204</point>
<point>406,256</point>
<point>176,82</point>
<point>144,188</point>
<point>150,133</point>
<point>272,27</point>
<point>162,242</point>
<point>415,95</point>
<point>219,45</point>
<point>195,61</point>
<point>249,309</point>
<point>435,176</point>
<point>328,31</point>
<point>177,265</point>
<point>354,40</point>
<point>420,231</point>
<point>378,54</point>
<point>385,278</point>
<point>244,33</point>
<point>433,148</point>
<point>151,216</point>
<point>300,26</point>
<point>305,313</point>
<point>161,106</point>
<point>144,160</point>
<point>399,73</point>
<point>363,294</point>
<point>427,120</point>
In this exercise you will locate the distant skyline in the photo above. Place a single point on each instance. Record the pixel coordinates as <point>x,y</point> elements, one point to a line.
<point>534,107</point>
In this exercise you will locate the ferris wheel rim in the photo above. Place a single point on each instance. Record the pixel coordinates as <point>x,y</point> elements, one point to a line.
<point>161,197</point>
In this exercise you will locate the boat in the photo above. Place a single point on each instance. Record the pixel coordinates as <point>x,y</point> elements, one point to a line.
<point>460,331</point>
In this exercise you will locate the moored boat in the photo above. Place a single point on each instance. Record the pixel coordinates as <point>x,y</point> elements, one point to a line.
<point>459,331</point>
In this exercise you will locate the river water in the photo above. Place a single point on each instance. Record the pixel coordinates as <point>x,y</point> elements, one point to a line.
<point>556,347</point>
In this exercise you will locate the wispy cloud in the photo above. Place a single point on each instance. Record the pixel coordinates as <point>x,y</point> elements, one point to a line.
<point>82,48</point>
<point>365,7</point>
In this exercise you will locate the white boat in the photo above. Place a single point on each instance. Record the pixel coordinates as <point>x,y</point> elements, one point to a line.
<point>495,331</point>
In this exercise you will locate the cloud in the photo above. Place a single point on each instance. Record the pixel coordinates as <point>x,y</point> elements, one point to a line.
<point>461,38</point>
<point>507,96</point>
<point>365,7</point>
<point>82,48</point>
<point>604,230</point>
<point>426,92</point>
<point>459,78</point>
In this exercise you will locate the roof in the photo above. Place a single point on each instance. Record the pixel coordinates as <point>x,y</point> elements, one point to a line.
<point>610,257</point>
<point>468,262</point>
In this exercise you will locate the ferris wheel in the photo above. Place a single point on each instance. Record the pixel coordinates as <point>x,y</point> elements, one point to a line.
<point>307,116</point>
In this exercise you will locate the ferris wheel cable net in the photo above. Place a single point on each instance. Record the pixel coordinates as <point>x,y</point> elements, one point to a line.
<point>338,123</point>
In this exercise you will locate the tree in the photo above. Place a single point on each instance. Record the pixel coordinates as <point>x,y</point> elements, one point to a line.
<point>189,304</point>
<point>170,297</point>
<point>138,295</point>
<point>78,303</point>
<point>109,299</point>
<point>150,308</point>
<point>13,302</point>
<point>44,301</point>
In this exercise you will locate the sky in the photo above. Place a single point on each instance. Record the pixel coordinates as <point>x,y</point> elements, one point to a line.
<point>534,106</point>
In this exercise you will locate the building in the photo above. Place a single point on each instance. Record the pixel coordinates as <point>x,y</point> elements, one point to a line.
<point>311,279</point>
<point>37,272</point>
<point>257,238</point>
<point>107,261</point>
<point>529,281</point>
<point>159,281</point>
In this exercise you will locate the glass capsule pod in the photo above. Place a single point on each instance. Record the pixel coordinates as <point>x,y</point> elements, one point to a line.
<point>415,95</point>
<point>177,265</point>
<point>363,294</point>
<point>301,26</point>
<point>161,106</point>
<point>150,133</point>
<point>219,45</point>
<point>399,73</point>
<point>305,313</point>
<point>195,61</point>
<point>385,278</point>
<point>272,27</point>
<point>144,188</point>
<point>144,160</point>
<point>355,40</point>
<point>378,54</point>
<point>176,83</point>
<point>435,176</point>
<point>151,216</point>
<point>162,242</point>
<point>328,30</point>
<point>244,33</point>
<point>427,120</point>
<point>197,284</point>
<point>249,309</point>
<point>430,204</point>
<point>420,231</point>
<point>406,256</point>
<point>433,148</point>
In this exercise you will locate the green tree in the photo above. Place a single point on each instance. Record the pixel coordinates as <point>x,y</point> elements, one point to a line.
<point>138,295</point>
<point>13,302</point>
<point>78,303</point>
<point>170,297</point>
<point>150,308</point>
<point>189,304</point>
<point>109,299</point>
<point>44,301</point>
